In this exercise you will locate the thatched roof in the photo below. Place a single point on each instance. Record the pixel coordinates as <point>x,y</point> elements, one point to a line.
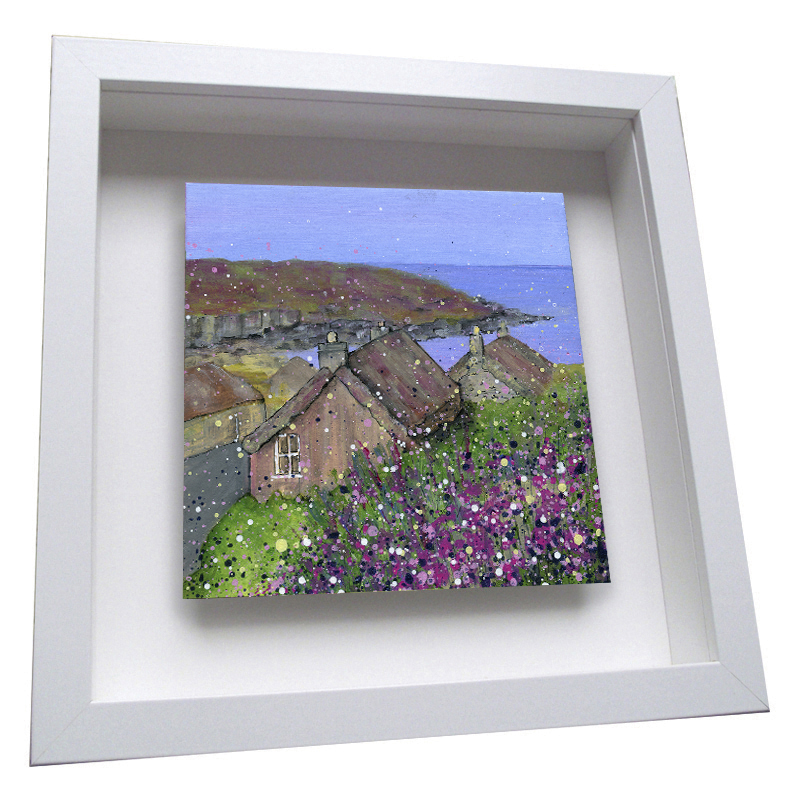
<point>403,377</point>
<point>208,389</point>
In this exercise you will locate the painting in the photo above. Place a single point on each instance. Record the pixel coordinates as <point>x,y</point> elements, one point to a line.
<point>384,390</point>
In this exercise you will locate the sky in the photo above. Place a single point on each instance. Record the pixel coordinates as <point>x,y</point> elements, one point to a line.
<point>376,226</point>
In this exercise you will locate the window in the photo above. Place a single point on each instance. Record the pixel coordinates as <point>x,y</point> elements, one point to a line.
<point>287,454</point>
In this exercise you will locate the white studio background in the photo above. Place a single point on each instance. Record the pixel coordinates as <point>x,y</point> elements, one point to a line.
<point>736,75</point>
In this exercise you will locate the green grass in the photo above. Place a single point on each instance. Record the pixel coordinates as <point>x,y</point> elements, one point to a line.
<point>243,548</point>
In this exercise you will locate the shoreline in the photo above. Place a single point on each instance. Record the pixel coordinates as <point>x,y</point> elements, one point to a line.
<point>305,336</point>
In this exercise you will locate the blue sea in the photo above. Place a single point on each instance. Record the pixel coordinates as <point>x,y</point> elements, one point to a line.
<point>535,290</point>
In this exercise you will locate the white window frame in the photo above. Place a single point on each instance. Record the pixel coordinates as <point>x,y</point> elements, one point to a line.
<point>288,454</point>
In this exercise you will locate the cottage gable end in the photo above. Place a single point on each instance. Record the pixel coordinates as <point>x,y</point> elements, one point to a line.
<point>505,362</point>
<point>324,436</point>
<point>283,417</point>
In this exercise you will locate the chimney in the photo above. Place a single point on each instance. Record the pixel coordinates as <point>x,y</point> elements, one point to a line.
<point>476,345</point>
<point>377,332</point>
<point>333,353</point>
<point>503,331</point>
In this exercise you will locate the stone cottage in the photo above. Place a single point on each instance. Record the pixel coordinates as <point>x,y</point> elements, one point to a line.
<point>503,369</point>
<point>388,391</point>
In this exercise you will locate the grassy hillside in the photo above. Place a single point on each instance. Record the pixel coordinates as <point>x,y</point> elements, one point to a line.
<point>340,291</point>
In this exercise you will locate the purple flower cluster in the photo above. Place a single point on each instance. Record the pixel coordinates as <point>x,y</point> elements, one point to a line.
<point>471,510</point>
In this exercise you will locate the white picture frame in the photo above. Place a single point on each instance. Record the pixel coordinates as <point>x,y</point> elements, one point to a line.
<point>633,121</point>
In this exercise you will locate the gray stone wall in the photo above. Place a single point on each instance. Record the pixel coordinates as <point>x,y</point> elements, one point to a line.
<point>202,330</point>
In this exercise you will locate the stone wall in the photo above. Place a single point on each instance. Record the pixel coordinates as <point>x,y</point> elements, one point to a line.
<point>201,329</point>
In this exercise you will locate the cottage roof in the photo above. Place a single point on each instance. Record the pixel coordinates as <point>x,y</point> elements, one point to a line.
<point>403,377</point>
<point>208,389</point>
<point>510,360</point>
<point>523,362</point>
<point>306,396</point>
<point>294,374</point>
<point>363,395</point>
<point>288,411</point>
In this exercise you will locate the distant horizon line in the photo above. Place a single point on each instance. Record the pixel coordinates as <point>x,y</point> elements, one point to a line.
<point>370,264</point>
